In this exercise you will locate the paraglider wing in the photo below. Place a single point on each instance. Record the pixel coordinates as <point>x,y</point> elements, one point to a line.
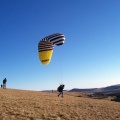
<point>46,46</point>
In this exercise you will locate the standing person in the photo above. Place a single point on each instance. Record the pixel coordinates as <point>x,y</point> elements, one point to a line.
<point>52,91</point>
<point>4,83</point>
<point>1,85</point>
<point>60,89</point>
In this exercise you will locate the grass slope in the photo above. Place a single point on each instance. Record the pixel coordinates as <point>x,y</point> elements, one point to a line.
<point>33,105</point>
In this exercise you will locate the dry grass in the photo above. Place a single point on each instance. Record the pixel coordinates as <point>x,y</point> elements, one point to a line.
<point>33,105</point>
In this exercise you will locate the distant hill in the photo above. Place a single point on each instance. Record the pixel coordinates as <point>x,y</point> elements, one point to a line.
<point>112,88</point>
<point>91,90</point>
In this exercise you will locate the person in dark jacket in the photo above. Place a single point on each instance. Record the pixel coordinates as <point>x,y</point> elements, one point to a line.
<point>4,83</point>
<point>60,89</point>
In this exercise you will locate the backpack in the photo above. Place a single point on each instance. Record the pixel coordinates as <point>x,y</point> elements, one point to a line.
<point>60,88</point>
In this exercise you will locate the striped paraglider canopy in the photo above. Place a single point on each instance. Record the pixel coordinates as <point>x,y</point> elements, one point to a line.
<point>46,46</point>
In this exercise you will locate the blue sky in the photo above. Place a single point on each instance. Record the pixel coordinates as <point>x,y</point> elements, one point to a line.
<point>90,56</point>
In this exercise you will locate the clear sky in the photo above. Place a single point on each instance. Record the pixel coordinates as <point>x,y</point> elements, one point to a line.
<point>90,56</point>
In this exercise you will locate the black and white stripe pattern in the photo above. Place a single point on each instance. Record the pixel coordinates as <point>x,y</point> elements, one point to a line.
<point>56,39</point>
<point>44,46</point>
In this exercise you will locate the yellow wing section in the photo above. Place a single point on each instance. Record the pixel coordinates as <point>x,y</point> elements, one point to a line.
<point>45,56</point>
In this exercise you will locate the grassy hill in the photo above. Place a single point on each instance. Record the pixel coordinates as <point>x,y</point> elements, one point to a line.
<point>33,105</point>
